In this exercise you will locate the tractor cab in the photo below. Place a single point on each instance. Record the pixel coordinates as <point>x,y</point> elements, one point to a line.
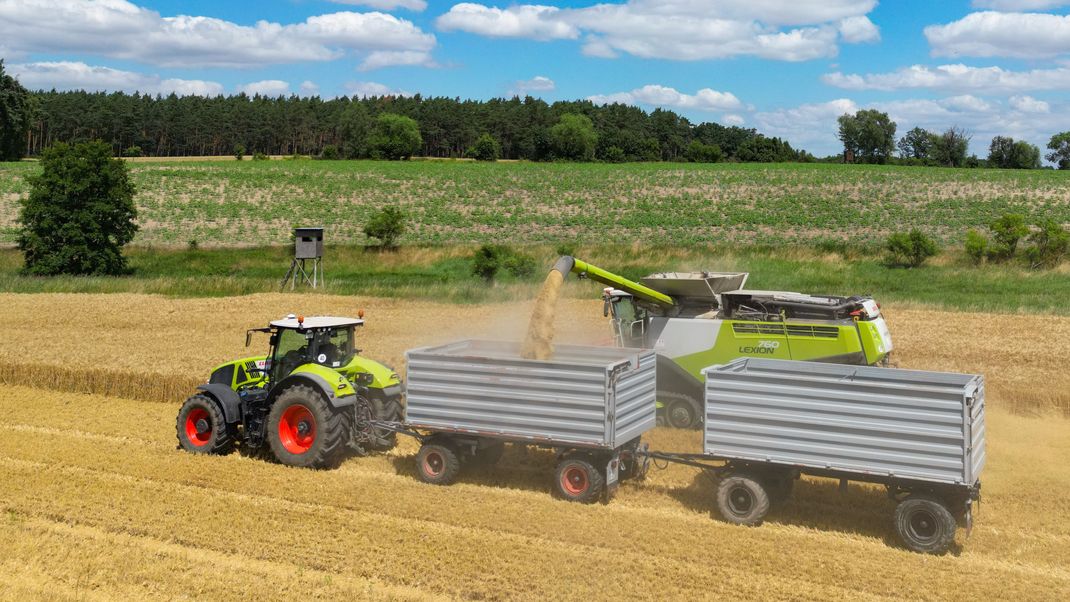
<point>296,341</point>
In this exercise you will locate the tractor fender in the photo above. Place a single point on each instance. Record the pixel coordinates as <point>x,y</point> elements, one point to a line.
<point>227,399</point>
<point>318,383</point>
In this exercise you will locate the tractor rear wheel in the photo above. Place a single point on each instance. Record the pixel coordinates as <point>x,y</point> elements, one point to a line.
<point>201,427</point>
<point>304,430</point>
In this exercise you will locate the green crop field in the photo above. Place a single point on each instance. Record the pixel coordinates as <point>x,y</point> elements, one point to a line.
<point>256,203</point>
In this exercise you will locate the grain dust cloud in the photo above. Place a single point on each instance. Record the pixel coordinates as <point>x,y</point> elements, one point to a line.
<point>539,343</point>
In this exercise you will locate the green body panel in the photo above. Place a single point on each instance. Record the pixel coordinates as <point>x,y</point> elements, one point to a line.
<point>871,342</point>
<point>774,343</point>
<point>341,385</point>
<point>382,376</point>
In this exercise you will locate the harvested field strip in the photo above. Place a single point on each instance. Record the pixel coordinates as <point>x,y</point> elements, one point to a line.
<point>113,472</point>
<point>158,349</point>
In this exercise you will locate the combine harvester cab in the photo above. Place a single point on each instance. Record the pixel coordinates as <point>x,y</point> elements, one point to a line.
<point>591,405</point>
<point>698,319</point>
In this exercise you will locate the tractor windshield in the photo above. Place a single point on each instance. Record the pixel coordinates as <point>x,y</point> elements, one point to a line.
<point>335,347</point>
<point>291,350</point>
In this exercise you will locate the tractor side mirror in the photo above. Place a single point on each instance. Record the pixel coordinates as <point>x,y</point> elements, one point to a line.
<point>248,338</point>
<point>605,308</point>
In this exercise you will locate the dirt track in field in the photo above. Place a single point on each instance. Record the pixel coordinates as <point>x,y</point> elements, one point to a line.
<point>98,504</point>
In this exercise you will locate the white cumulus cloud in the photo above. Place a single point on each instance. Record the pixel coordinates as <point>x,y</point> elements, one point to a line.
<point>414,5</point>
<point>359,89</point>
<point>1019,5</point>
<point>681,29</point>
<point>121,29</point>
<point>309,88</point>
<point>705,99</point>
<point>539,83</point>
<point>1015,35</point>
<point>267,87</point>
<point>957,77</point>
<point>76,75</point>
<point>1028,104</point>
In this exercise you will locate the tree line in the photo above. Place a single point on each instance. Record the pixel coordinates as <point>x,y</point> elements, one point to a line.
<point>518,128</point>
<point>868,136</point>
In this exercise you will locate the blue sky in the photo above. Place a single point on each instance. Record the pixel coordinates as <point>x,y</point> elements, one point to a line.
<point>786,67</point>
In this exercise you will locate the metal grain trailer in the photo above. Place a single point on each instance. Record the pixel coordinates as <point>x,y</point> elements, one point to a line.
<point>465,400</point>
<point>922,434</point>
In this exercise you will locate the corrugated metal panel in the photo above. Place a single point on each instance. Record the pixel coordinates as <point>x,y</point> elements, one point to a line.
<point>484,387</point>
<point>636,409</point>
<point>903,423</point>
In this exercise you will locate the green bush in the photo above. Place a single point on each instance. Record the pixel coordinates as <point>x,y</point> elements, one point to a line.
<point>565,249</point>
<point>132,151</point>
<point>615,154</point>
<point>1049,247</point>
<point>486,148</point>
<point>260,157</point>
<point>1007,231</point>
<point>239,151</point>
<point>79,214</point>
<point>329,153</point>
<point>909,249</point>
<point>698,152</point>
<point>394,137</point>
<point>976,246</point>
<point>574,138</point>
<point>387,225</point>
<point>490,260</point>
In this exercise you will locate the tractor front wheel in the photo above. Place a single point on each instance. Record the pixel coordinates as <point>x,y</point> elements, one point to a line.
<point>201,427</point>
<point>304,430</point>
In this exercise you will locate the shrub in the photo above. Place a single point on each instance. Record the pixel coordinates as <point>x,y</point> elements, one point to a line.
<point>615,154</point>
<point>565,249</point>
<point>387,225</point>
<point>260,157</point>
<point>1050,245</point>
<point>80,213</point>
<point>329,153</point>
<point>976,246</point>
<point>239,151</point>
<point>486,148</point>
<point>698,152</point>
<point>490,260</point>
<point>394,137</point>
<point>574,138</point>
<point>909,249</point>
<point>132,151</point>
<point>1007,231</point>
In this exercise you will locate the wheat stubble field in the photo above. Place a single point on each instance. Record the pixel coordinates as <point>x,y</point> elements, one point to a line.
<point>97,503</point>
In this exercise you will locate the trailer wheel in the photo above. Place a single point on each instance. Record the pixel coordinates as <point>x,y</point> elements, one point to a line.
<point>577,480</point>
<point>924,523</point>
<point>742,499</point>
<point>201,427</point>
<point>437,464</point>
<point>304,430</point>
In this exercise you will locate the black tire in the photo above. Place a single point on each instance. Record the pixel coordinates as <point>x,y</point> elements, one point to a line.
<point>489,455</point>
<point>578,480</point>
<point>680,411</point>
<point>924,524</point>
<point>304,430</point>
<point>742,499</point>
<point>201,427</point>
<point>388,410</point>
<point>437,463</point>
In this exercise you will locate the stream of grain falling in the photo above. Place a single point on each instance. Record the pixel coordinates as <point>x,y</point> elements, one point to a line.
<point>539,344</point>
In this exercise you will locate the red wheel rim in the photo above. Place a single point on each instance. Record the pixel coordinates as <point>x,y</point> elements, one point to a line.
<point>574,480</point>
<point>433,464</point>
<point>199,439</point>
<point>297,429</point>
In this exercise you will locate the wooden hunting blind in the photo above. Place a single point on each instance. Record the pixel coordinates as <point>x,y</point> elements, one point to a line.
<point>308,246</point>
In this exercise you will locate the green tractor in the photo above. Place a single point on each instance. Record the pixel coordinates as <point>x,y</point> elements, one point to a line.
<point>694,320</point>
<point>305,403</point>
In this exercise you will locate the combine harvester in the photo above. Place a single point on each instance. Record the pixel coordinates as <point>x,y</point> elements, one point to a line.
<point>698,319</point>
